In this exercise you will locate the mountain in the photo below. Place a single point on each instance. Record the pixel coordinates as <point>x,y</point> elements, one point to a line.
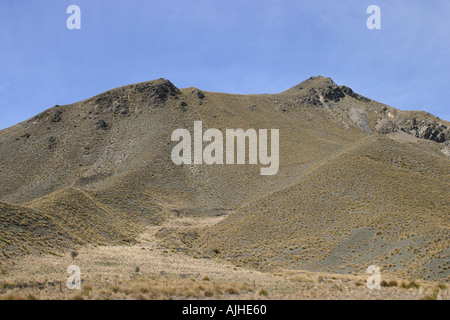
<point>359,182</point>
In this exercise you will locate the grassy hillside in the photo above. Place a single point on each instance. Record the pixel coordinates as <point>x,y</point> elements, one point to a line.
<point>359,182</point>
<point>60,221</point>
<point>381,202</point>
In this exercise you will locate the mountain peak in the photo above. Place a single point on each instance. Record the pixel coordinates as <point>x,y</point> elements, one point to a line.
<point>318,82</point>
<point>158,91</point>
<point>155,87</point>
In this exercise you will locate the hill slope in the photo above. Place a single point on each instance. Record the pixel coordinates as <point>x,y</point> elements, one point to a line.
<point>61,220</point>
<point>350,167</point>
<point>379,203</point>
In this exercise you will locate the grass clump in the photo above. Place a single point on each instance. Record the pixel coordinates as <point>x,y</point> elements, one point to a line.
<point>388,284</point>
<point>410,285</point>
<point>263,293</point>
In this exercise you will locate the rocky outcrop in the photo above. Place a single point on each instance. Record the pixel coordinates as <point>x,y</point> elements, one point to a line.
<point>425,129</point>
<point>386,126</point>
<point>332,93</point>
<point>199,94</point>
<point>183,106</point>
<point>156,92</point>
<point>324,93</point>
<point>160,91</point>
<point>101,125</point>
<point>51,142</point>
<point>57,116</point>
<point>312,99</point>
<point>422,129</point>
<point>349,92</point>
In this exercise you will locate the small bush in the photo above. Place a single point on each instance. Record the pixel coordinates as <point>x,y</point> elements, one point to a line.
<point>208,293</point>
<point>86,291</point>
<point>263,293</point>
<point>432,296</point>
<point>115,289</point>
<point>231,290</point>
<point>410,285</point>
<point>442,286</point>
<point>391,283</point>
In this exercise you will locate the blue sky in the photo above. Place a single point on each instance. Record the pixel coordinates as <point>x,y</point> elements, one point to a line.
<point>247,46</point>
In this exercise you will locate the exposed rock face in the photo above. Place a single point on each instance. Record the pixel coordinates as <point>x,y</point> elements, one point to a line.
<point>348,91</point>
<point>422,129</point>
<point>199,94</point>
<point>57,116</point>
<point>121,109</point>
<point>323,92</point>
<point>51,143</point>
<point>312,99</point>
<point>331,93</point>
<point>116,101</point>
<point>386,126</point>
<point>161,91</point>
<point>183,106</point>
<point>361,118</point>
<point>101,125</point>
